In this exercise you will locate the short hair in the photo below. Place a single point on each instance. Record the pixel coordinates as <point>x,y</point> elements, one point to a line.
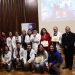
<point>18,43</point>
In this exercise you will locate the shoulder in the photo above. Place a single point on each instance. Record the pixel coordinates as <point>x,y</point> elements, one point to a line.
<point>13,37</point>
<point>45,52</point>
<point>59,33</point>
<point>63,34</point>
<point>32,51</point>
<point>26,35</point>
<point>22,48</point>
<point>57,53</point>
<point>9,53</point>
<point>19,36</point>
<point>38,34</point>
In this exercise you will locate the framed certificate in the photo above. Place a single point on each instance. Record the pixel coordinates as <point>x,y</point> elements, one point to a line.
<point>55,39</point>
<point>44,43</point>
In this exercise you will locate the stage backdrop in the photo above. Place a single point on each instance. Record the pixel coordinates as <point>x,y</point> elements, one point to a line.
<point>60,13</point>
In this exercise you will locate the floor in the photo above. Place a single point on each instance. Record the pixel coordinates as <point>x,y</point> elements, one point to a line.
<point>64,72</point>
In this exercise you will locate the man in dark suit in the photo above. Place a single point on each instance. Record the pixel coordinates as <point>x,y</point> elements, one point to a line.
<point>68,40</point>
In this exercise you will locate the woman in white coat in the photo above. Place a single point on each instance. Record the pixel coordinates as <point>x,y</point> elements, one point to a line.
<point>9,41</point>
<point>35,39</point>
<point>16,39</point>
<point>41,58</point>
<point>6,59</point>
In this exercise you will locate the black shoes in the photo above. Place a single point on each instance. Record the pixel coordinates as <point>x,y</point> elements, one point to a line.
<point>70,68</point>
<point>65,67</point>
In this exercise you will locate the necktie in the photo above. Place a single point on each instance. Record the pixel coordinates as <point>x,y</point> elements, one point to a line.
<point>18,55</point>
<point>28,55</point>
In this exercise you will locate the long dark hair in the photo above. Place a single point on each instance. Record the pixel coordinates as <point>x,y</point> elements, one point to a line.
<point>40,52</point>
<point>4,52</point>
<point>42,31</point>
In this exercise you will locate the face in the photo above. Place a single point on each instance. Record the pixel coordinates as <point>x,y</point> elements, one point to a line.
<point>55,29</point>
<point>10,34</point>
<point>44,31</point>
<point>6,49</point>
<point>29,47</point>
<point>3,33</point>
<point>35,32</point>
<point>29,32</point>
<point>18,45</point>
<point>67,29</point>
<point>16,33</point>
<point>23,32</point>
<point>51,48</point>
<point>41,48</point>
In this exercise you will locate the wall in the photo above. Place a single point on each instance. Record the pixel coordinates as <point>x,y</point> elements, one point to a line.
<point>49,25</point>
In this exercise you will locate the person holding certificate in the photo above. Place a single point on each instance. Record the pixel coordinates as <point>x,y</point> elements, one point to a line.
<point>45,39</point>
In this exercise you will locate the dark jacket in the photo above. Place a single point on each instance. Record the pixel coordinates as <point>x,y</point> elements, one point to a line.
<point>68,40</point>
<point>54,58</point>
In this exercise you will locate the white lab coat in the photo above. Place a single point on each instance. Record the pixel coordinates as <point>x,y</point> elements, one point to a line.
<point>35,41</point>
<point>32,56</point>
<point>14,41</point>
<point>27,39</point>
<point>7,58</point>
<point>9,43</point>
<point>59,35</point>
<point>23,54</point>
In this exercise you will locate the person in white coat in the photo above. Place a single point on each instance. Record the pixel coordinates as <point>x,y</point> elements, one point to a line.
<point>30,57</point>
<point>58,36</point>
<point>6,59</point>
<point>16,39</point>
<point>41,58</point>
<point>27,37</point>
<point>9,41</point>
<point>19,57</point>
<point>35,39</point>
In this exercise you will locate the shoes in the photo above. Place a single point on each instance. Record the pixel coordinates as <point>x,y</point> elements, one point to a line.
<point>70,68</point>
<point>65,67</point>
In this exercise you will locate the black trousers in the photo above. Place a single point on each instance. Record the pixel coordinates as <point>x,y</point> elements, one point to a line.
<point>17,65</point>
<point>69,58</point>
<point>7,67</point>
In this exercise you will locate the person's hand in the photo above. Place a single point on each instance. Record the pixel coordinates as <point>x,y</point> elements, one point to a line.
<point>50,64</point>
<point>17,59</point>
<point>48,68</point>
<point>3,62</point>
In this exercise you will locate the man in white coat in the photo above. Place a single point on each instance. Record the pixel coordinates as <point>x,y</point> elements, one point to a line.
<point>30,57</point>
<point>56,38</point>
<point>28,36</point>
<point>19,57</point>
<point>35,39</point>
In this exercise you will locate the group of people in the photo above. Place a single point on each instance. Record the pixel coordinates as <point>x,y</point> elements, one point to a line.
<point>37,52</point>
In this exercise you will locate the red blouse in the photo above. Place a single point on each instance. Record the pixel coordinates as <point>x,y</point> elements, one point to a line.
<point>46,37</point>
